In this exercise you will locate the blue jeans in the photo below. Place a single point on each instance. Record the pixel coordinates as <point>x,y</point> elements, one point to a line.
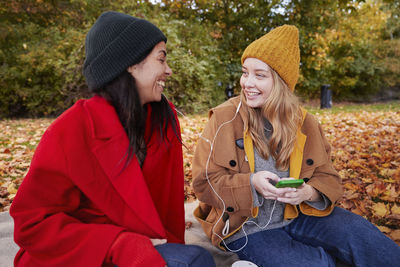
<point>179,255</point>
<point>318,241</point>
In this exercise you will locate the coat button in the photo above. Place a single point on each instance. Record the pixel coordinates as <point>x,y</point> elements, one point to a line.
<point>310,162</point>
<point>232,163</point>
<point>230,209</point>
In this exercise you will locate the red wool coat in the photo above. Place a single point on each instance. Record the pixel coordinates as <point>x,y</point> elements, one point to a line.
<point>76,198</point>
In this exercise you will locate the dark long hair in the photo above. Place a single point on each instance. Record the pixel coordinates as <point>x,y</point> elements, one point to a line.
<point>124,96</point>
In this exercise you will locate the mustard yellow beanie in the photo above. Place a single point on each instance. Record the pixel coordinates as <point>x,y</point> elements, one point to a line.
<point>280,50</point>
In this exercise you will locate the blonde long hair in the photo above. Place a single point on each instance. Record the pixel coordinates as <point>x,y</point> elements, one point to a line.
<point>282,110</point>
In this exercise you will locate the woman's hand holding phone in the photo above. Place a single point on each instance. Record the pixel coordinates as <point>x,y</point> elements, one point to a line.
<point>263,182</point>
<point>304,192</point>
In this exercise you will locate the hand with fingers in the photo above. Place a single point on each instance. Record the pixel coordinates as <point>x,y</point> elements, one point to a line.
<point>302,193</point>
<point>263,182</point>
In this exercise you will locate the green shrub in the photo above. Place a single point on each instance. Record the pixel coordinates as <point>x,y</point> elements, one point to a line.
<point>352,45</point>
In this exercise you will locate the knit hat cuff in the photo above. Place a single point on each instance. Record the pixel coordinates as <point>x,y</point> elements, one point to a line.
<point>122,52</point>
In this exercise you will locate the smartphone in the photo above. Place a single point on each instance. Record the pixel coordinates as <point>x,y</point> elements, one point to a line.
<point>289,183</point>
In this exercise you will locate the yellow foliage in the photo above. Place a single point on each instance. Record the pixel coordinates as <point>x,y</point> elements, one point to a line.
<point>379,209</point>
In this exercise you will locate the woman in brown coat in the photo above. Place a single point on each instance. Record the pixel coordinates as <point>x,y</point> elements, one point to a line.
<point>263,137</point>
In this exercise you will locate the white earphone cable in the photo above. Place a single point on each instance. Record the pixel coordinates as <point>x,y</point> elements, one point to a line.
<point>225,230</point>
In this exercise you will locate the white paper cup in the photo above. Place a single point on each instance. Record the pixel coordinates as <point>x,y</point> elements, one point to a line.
<point>243,264</point>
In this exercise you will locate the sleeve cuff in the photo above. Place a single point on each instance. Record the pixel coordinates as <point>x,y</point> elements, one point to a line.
<point>321,204</point>
<point>258,200</point>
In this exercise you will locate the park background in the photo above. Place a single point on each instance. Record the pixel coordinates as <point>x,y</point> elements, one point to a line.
<point>352,45</point>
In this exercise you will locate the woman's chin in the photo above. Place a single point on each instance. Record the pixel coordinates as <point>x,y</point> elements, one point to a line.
<point>253,103</point>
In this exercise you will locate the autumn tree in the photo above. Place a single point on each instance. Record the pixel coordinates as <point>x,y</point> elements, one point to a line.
<point>42,51</point>
<point>343,51</point>
<point>340,40</point>
<point>352,45</point>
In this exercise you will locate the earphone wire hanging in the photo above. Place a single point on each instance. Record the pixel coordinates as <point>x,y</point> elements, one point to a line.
<point>226,227</point>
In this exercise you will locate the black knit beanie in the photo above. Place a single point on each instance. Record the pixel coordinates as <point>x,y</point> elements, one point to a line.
<point>115,42</point>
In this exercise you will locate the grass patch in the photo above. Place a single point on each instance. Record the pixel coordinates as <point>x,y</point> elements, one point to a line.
<point>313,107</point>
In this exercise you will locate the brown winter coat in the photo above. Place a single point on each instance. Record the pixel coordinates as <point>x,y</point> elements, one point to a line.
<point>230,166</point>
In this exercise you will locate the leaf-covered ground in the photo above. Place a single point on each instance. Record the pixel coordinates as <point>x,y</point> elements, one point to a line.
<point>365,150</point>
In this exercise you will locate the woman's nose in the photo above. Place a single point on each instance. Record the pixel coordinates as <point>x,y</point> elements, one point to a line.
<point>249,82</point>
<point>168,71</point>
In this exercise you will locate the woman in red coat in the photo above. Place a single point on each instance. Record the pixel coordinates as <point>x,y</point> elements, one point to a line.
<point>105,186</point>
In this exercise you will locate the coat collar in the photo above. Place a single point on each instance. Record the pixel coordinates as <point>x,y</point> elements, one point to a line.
<point>110,147</point>
<point>104,122</point>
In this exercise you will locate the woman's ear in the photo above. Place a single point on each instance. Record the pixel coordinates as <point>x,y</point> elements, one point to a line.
<point>132,69</point>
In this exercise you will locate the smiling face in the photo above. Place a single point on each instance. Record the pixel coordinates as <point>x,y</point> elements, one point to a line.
<point>151,74</point>
<point>256,82</point>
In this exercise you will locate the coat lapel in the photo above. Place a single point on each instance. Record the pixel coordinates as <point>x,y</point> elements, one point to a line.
<point>296,158</point>
<point>110,149</point>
